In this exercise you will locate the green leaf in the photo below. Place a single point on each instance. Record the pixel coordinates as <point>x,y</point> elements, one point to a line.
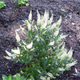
<point>19,2</point>
<point>48,78</point>
<point>13,78</point>
<point>22,78</point>
<point>7,57</point>
<point>10,77</point>
<point>63,10</point>
<point>26,0</point>
<point>27,4</point>
<point>32,78</point>
<point>2,4</point>
<point>17,77</point>
<point>50,75</point>
<point>4,77</point>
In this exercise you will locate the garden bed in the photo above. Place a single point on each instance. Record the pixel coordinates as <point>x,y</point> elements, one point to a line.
<point>12,16</point>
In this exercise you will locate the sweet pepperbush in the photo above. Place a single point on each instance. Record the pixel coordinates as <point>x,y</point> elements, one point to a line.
<point>43,51</point>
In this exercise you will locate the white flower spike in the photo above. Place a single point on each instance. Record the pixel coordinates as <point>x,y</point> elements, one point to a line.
<point>29,25</point>
<point>9,54</point>
<point>30,16</point>
<point>17,37</point>
<point>51,43</point>
<point>29,46</point>
<point>17,51</point>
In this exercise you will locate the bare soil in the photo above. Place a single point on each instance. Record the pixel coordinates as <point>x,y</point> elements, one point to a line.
<point>12,16</point>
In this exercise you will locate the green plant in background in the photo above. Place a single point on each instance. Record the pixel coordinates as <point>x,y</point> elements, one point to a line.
<point>2,4</point>
<point>63,10</point>
<point>16,77</point>
<point>21,2</point>
<point>43,51</point>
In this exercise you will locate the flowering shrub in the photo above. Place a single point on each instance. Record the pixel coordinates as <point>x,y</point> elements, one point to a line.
<point>2,4</point>
<point>43,52</point>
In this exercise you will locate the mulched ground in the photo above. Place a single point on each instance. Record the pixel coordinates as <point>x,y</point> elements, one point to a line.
<point>11,18</point>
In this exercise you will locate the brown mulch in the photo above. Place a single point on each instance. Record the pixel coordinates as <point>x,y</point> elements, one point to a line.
<point>11,18</point>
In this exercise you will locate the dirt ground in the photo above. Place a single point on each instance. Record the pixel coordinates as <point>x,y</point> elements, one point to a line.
<point>12,16</point>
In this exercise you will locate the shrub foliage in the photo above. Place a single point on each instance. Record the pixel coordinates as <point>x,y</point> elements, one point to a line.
<point>43,52</point>
<point>15,77</point>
